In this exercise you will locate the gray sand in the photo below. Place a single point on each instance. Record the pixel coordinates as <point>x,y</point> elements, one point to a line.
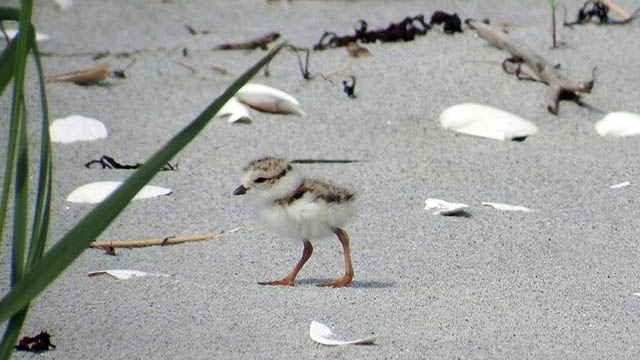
<point>554,283</point>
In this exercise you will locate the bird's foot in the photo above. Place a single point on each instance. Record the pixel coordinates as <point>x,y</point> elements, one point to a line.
<point>283,282</point>
<point>343,281</point>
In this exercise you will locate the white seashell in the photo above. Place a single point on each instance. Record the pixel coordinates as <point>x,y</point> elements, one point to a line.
<point>236,111</point>
<point>64,4</point>
<point>268,99</point>
<point>621,185</point>
<point>443,207</point>
<point>619,124</point>
<point>76,128</point>
<point>486,121</point>
<point>11,33</point>
<point>506,207</point>
<point>322,334</point>
<point>96,192</point>
<point>124,274</point>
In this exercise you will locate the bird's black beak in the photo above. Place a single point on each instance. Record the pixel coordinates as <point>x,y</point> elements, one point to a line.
<point>240,190</point>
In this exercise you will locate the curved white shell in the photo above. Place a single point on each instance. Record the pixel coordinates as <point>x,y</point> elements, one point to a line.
<point>322,334</point>
<point>94,193</point>
<point>506,207</point>
<point>442,207</point>
<point>265,98</point>
<point>76,128</point>
<point>236,111</point>
<point>486,121</point>
<point>619,124</point>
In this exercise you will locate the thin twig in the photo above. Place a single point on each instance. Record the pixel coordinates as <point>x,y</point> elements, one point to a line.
<point>171,240</point>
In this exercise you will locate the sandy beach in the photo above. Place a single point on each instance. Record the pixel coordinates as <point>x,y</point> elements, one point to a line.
<point>554,283</point>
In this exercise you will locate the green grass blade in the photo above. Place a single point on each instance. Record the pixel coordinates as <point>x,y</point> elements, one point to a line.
<point>75,241</point>
<point>9,13</point>
<point>43,197</point>
<point>10,337</point>
<point>8,56</point>
<point>7,64</point>
<point>22,49</point>
<point>19,236</point>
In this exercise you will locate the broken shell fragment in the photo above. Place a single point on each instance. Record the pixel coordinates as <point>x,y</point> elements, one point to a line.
<point>236,111</point>
<point>123,274</point>
<point>620,185</point>
<point>268,99</point>
<point>506,207</point>
<point>444,208</point>
<point>619,124</point>
<point>11,33</point>
<point>96,192</point>
<point>322,334</point>
<point>486,121</point>
<point>76,128</point>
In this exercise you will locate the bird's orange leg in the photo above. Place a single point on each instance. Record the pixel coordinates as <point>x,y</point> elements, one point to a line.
<point>288,280</point>
<point>348,268</point>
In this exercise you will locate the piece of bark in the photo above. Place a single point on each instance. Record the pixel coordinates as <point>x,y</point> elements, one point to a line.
<point>259,42</point>
<point>560,86</point>
<point>88,76</point>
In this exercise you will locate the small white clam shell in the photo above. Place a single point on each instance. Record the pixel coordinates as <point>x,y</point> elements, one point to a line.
<point>486,121</point>
<point>322,334</point>
<point>619,124</point>
<point>442,207</point>
<point>76,128</point>
<point>236,111</point>
<point>268,99</point>
<point>96,192</point>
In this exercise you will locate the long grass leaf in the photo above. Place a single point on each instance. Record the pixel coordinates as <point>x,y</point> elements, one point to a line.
<point>22,49</point>
<point>77,239</point>
<point>7,57</point>
<point>19,235</point>
<point>20,227</point>
<point>7,64</point>
<point>43,196</point>
<point>9,13</point>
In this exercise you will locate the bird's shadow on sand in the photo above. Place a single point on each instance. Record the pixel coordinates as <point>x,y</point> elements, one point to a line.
<point>370,284</point>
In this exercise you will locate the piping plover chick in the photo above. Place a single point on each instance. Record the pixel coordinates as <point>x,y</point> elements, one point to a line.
<point>303,209</point>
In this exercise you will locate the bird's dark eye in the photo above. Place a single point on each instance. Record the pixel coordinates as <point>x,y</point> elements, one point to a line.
<point>260,180</point>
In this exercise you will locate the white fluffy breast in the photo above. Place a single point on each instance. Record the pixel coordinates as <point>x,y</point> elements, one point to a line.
<point>306,218</point>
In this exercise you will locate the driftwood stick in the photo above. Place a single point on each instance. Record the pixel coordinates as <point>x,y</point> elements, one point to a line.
<point>171,240</point>
<point>617,9</point>
<point>560,86</point>
<point>88,76</point>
